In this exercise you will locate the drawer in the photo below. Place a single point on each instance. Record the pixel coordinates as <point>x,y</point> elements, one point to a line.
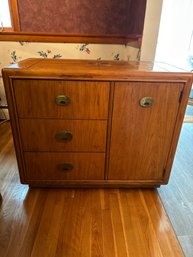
<point>61,99</point>
<point>64,166</point>
<point>63,135</point>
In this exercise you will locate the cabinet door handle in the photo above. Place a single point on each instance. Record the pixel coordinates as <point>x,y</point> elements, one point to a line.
<point>146,101</point>
<point>62,100</point>
<point>64,136</point>
<point>65,166</point>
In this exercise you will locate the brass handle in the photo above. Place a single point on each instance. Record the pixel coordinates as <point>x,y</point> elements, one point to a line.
<point>146,101</point>
<point>64,136</point>
<point>65,167</point>
<point>62,100</point>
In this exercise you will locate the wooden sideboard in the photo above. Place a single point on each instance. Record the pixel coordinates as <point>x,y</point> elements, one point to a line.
<point>95,123</point>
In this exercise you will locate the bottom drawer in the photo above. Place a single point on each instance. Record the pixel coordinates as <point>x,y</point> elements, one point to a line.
<point>64,166</point>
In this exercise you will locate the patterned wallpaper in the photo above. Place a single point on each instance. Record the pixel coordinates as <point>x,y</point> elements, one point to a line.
<point>11,52</point>
<point>78,17</point>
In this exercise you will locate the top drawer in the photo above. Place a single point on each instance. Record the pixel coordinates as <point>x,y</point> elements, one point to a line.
<point>42,99</point>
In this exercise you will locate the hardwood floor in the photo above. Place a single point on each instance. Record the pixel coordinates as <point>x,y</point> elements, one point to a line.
<point>81,222</point>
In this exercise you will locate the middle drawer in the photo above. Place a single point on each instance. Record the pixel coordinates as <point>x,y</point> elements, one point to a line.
<point>63,135</point>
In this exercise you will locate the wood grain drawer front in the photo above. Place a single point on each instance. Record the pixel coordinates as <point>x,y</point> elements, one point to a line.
<point>64,166</point>
<point>37,99</point>
<point>141,137</point>
<point>44,135</point>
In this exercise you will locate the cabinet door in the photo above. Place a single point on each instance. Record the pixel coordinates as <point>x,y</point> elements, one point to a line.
<point>141,136</point>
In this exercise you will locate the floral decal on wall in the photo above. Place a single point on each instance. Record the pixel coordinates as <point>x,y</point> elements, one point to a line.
<point>48,53</point>
<point>84,48</point>
<point>23,43</point>
<point>14,57</point>
<point>22,50</point>
<point>116,57</point>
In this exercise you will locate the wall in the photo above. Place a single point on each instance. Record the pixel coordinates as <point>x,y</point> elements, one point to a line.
<point>82,17</point>
<point>151,29</point>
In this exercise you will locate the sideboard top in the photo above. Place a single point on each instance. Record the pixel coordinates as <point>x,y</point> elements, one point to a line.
<point>94,69</point>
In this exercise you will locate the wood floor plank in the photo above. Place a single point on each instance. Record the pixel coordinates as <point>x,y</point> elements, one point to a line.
<point>80,222</point>
<point>162,226</point>
<point>96,236</point>
<point>118,229</point>
<point>34,204</point>
<point>48,230</point>
<point>108,235</point>
<point>138,224</point>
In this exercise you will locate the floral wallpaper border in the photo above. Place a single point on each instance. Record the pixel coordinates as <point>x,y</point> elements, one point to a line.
<point>77,51</point>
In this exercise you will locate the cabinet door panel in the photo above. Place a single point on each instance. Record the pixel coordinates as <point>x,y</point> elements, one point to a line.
<point>141,136</point>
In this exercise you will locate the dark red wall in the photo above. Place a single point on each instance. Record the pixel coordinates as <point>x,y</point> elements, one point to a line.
<point>82,16</point>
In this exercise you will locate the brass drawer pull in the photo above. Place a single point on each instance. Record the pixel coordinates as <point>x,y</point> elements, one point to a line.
<point>146,101</point>
<point>62,100</point>
<point>65,167</point>
<point>64,136</point>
